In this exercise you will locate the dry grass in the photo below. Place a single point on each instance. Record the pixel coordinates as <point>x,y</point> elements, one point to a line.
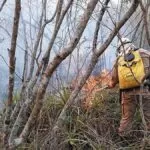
<point>92,129</point>
<point>84,129</point>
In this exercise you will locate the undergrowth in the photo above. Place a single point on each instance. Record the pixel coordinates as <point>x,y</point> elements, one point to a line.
<point>86,129</point>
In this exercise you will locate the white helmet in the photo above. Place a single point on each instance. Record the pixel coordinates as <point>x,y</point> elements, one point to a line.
<point>124,46</point>
<point>123,41</point>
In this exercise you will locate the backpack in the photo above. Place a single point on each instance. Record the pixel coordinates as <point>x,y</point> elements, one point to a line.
<point>130,72</point>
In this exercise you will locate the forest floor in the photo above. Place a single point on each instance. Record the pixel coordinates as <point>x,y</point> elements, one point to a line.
<point>93,128</point>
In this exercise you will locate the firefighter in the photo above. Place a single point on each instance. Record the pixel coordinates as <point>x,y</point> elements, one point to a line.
<point>131,71</point>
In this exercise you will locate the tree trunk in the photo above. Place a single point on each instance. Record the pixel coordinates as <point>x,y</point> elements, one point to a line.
<point>51,68</point>
<point>31,94</point>
<point>12,60</point>
<point>92,64</point>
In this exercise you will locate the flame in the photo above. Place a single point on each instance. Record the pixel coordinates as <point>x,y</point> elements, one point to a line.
<point>92,86</point>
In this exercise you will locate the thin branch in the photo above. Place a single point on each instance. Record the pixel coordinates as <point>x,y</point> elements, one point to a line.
<point>25,67</point>
<point>100,17</point>
<point>59,10</point>
<point>56,29</point>
<point>2,5</point>
<point>145,14</point>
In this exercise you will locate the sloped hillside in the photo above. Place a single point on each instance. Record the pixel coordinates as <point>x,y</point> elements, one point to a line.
<point>94,128</point>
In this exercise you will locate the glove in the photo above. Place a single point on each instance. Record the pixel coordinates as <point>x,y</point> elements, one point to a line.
<point>147,82</point>
<point>147,76</point>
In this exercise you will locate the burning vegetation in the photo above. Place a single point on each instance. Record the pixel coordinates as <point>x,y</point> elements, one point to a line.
<point>93,85</point>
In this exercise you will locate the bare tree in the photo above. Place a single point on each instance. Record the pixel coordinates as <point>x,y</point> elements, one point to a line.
<point>51,68</point>
<point>36,78</point>
<point>22,118</point>
<point>12,67</point>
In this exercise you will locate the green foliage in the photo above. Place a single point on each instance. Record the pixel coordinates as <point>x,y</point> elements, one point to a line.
<point>16,97</point>
<point>57,100</point>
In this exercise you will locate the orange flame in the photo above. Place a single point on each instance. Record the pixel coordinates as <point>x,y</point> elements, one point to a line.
<point>92,86</point>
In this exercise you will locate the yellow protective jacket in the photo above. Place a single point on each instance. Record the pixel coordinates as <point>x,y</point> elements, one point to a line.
<point>130,73</point>
<point>145,55</point>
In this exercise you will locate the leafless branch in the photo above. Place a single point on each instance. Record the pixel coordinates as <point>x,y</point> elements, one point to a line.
<point>98,24</point>
<point>145,14</point>
<point>2,5</point>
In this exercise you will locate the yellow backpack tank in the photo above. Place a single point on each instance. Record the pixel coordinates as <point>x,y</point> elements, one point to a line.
<point>130,73</point>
